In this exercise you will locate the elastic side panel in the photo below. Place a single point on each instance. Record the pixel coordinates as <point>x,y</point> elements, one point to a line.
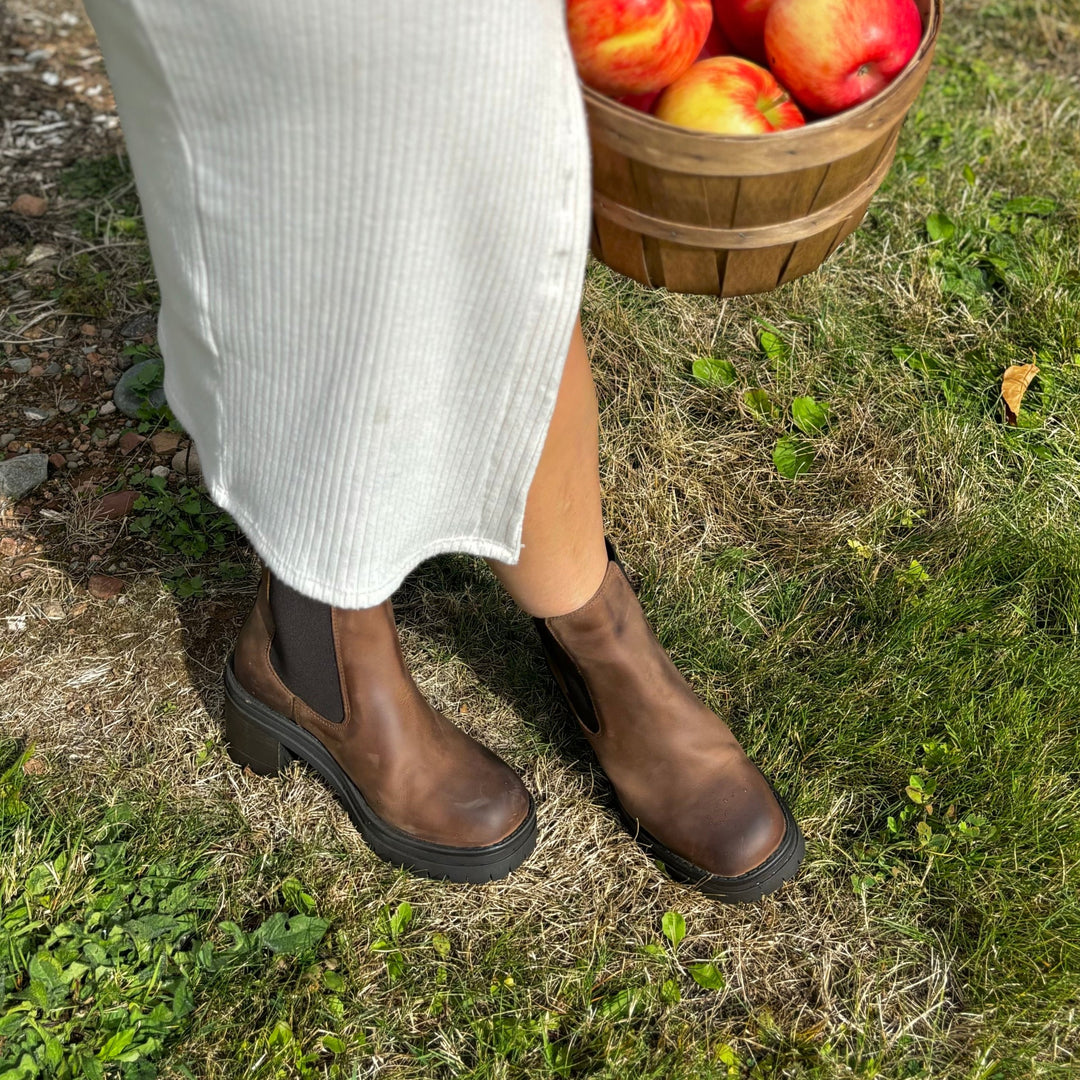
<point>302,652</point>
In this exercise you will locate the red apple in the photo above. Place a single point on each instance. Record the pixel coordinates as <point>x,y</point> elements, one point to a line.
<point>728,96</point>
<point>833,54</point>
<point>715,44</point>
<point>635,46</point>
<point>743,23</point>
<point>641,102</point>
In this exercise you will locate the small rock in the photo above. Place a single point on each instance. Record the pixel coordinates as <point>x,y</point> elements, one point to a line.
<point>186,462</point>
<point>165,442</point>
<point>127,400</point>
<point>63,445</point>
<point>38,415</point>
<point>105,587</point>
<point>19,476</point>
<point>146,323</point>
<point>30,205</point>
<point>36,371</point>
<point>129,441</point>
<point>107,409</point>
<point>13,546</point>
<point>69,406</point>
<point>78,369</point>
<point>52,369</point>
<point>88,329</point>
<point>113,439</point>
<point>160,470</point>
<point>19,364</point>
<point>53,610</point>
<point>41,252</point>
<point>57,461</point>
<point>110,377</point>
<point>9,437</point>
<point>116,504</point>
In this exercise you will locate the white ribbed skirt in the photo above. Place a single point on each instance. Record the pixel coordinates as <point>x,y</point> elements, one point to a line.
<point>369,223</point>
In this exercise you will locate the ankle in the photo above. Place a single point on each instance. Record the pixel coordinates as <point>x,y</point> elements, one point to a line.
<point>554,588</point>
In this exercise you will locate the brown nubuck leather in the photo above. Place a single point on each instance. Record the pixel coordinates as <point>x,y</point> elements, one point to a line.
<point>681,778</point>
<point>418,772</point>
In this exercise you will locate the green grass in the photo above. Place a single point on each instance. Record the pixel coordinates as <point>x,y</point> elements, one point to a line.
<point>893,635</point>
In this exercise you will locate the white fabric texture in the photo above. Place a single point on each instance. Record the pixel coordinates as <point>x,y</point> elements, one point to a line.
<point>369,223</point>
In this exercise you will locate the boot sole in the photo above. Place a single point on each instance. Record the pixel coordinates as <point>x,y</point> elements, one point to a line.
<point>262,739</point>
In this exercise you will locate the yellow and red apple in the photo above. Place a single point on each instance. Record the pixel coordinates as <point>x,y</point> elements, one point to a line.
<point>715,45</point>
<point>728,95</point>
<point>635,46</point>
<point>834,54</point>
<point>743,23</point>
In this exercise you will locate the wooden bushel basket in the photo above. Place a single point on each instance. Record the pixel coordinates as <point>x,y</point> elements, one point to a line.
<point>728,215</point>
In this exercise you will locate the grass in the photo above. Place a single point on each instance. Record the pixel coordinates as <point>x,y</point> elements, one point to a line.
<point>893,635</point>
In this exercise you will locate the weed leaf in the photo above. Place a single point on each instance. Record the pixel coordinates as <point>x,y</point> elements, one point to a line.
<point>758,402</point>
<point>674,927</point>
<point>401,918</point>
<point>792,456</point>
<point>940,227</point>
<point>713,371</point>
<point>810,417</point>
<point>290,936</point>
<point>707,975</point>
<point>1033,205</point>
<point>917,360</point>
<point>772,346</point>
<point>618,1006</point>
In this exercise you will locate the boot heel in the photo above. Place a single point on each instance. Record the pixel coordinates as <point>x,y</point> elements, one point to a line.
<point>249,745</point>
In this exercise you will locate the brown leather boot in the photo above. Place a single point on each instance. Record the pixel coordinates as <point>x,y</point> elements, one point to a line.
<point>688,792</point>
<point>422,793</point>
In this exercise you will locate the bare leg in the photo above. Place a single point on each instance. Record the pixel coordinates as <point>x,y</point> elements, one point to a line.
<point>563,558</point>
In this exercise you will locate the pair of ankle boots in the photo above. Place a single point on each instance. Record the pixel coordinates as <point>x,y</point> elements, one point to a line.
<point>329,686</point>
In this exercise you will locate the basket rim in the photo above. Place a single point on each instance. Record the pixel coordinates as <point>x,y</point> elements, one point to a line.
<point>791,137</point>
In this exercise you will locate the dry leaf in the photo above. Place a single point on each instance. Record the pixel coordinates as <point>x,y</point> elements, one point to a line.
<point>1014,383</point>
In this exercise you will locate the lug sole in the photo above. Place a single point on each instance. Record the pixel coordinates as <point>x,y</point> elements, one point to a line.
<point>264,740</point>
